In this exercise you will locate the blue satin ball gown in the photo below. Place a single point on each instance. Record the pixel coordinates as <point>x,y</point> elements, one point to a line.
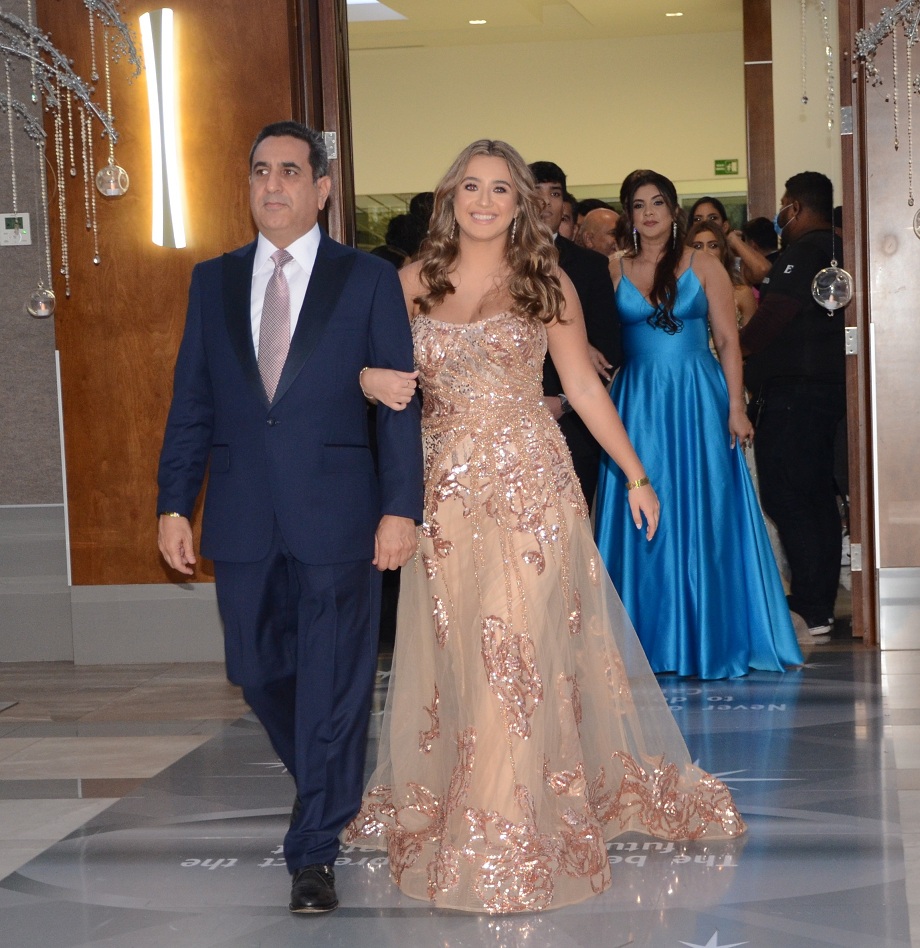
<point>704,595</point>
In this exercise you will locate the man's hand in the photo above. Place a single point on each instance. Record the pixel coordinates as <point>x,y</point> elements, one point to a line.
<point>395,542</point>
<point>174,538</point>
<point>554,404</point>
<point>600,363</point>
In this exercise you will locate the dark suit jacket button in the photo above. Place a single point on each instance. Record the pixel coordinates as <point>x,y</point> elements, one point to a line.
<point>272,422</point>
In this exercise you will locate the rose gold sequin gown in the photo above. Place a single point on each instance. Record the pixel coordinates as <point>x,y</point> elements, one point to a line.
<point>523,726</point>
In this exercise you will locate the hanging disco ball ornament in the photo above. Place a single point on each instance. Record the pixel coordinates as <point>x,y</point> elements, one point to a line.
<point>41,303</point>
<point>832,287</point>
<point>112,180</point>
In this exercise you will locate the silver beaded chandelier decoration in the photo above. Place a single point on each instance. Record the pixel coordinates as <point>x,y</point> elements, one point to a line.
<point>830,69</point>
<point>904,17</point>
<point>76,117</point>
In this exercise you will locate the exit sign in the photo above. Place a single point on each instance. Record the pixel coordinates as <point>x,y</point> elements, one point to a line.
<point>726,166</point>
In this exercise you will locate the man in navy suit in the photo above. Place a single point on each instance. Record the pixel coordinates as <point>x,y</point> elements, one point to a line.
<point>298,518</point>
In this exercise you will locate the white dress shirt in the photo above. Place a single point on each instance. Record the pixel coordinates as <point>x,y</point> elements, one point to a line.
<point>296,271</point>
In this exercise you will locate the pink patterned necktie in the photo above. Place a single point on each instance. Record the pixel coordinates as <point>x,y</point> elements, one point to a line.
<point>275,327</point>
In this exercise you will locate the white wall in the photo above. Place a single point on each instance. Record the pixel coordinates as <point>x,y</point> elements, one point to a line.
<point>599,109</point>
<point>803,140</point>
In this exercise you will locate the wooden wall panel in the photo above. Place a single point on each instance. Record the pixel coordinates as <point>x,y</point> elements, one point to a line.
<point>859,415</point>
<point>119,332</point>
<point>758,99</point>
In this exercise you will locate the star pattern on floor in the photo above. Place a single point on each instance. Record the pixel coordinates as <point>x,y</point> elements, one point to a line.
<point>714,943</point>
<point>730,777</point>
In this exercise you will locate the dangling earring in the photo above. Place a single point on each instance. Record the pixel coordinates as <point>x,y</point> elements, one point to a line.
<point>514,228</point>
<point>453,229</point>
<point>674,234</point>
<point>636,241</point>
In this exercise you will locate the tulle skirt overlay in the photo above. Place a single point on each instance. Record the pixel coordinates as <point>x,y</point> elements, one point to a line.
<point>523,727</point>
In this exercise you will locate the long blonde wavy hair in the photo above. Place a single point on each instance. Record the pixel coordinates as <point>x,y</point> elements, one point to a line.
<point>533,284</point>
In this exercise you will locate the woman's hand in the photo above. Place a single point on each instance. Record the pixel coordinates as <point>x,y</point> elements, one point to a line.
<point>390,387</point>
<point>643,501</point>
<point>740,427</point>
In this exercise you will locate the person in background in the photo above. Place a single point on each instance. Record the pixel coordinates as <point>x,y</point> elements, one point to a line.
<point>599,231</point>
<point>710,209</point>
<point>708,237</point>
<point>588,271</point>
<point>795,372</point>
<point>756,246</point>
<point>705,595</point>
<point>582,209</point>
<point>567,223</point>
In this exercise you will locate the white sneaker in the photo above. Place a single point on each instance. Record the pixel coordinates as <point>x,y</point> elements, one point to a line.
<point>817,630</point>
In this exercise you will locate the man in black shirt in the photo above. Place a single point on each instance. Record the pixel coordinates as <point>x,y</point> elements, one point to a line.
<point>589,273</point>
<point>795,374</point>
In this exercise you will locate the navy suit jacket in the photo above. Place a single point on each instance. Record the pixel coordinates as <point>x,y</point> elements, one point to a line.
<point>303,461</point>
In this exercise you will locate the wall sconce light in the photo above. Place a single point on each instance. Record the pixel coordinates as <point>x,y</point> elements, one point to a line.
<point>159,57</point>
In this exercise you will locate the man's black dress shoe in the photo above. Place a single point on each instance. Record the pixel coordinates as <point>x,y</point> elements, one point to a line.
<point>313,890</point>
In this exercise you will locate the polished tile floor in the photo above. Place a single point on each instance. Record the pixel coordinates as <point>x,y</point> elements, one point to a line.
<point>142,807</point>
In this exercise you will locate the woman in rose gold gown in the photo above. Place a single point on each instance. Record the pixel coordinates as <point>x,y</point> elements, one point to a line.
<point>523,727</point>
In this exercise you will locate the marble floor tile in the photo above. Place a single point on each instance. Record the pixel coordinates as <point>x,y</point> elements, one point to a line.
<point>29,827</point>
<point>909,807</point>
<point>906,742</point>
<point>902,691</point>
<point>832,856</point>
<point>900,662</point>
<point>57,758</point>
<point>47,820</point>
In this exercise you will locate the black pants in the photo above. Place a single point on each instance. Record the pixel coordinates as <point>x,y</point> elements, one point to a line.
<point>794,447</point>
<point>585,451</point>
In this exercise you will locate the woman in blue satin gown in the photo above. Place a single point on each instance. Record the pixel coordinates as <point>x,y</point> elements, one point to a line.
<point>704,594</point>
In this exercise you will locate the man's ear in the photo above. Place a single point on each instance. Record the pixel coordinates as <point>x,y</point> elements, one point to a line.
<point>323,186</point>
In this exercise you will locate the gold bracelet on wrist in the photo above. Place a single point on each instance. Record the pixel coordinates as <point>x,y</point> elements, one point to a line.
<point>632,485</point>
<point>370,398</point>
<point>169,513</point>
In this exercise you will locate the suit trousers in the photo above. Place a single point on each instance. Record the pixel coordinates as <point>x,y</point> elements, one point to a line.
<point>794,448</point>
<point>301,640</point>
<point>586,454</point>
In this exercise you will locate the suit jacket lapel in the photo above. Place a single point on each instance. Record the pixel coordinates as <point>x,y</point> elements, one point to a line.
<point>330,271</point>
<point>562,247</point>
<point>237,285</point>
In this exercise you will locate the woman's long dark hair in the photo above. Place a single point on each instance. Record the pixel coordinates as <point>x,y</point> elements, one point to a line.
<point>715,202</point>
<point>663,294</point>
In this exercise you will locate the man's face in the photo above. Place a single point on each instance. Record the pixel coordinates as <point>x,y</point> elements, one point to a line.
<point>283,197</point>
<point>786,216</point>
<point>567,223</point>
<point>598,232</point>
<point>551,194</point>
